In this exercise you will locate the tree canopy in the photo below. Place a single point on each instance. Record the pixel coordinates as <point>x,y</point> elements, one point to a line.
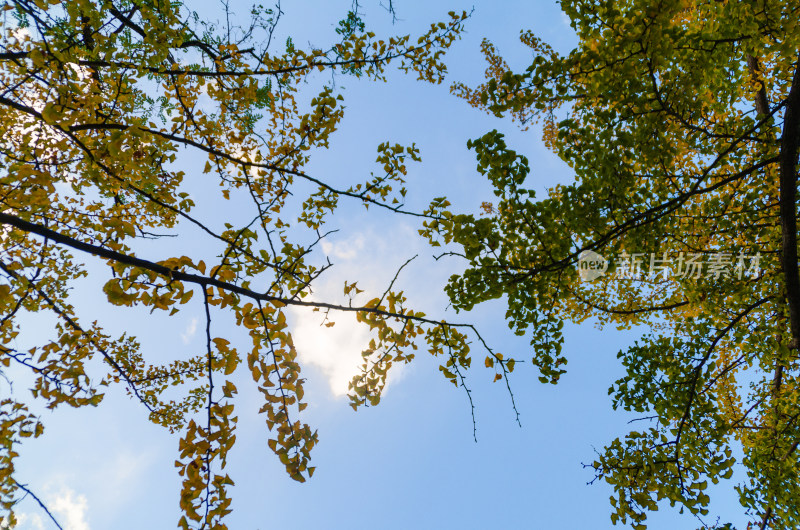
<point>681,122</point>
<point>100,102</point>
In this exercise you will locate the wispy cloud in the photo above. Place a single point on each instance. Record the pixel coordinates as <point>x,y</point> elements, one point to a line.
<point>346,250</point>
<point>27,521</point>
<point>191,329</point>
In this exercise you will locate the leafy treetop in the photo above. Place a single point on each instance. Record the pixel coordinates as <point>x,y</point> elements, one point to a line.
<point>681,122</point>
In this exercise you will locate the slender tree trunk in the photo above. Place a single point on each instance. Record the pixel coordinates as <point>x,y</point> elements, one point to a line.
<point>790,139</point>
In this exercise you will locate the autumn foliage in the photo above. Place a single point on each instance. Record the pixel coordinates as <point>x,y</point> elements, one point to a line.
<point>100,102</point>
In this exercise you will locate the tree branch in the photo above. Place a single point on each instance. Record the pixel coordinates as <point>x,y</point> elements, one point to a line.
<point>762,104</point>
<point>197,279</point>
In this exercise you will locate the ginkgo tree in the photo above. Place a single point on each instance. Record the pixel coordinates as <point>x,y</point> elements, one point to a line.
<point>100,102</point>
<point>681,122</point>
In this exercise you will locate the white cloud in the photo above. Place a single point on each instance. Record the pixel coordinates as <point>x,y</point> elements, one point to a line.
<point>27,521</point>
<point>247,154</point>
<point>123,477</point>
<point>191,329</point>
<point>346,249</point>
<point>335,350</point>
<point>67,507</point>
<point>371,260</point>
<point>70,509</point>
<point>20,35</point>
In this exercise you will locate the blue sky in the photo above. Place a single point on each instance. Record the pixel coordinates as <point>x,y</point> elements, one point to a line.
<point>412,461</point>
